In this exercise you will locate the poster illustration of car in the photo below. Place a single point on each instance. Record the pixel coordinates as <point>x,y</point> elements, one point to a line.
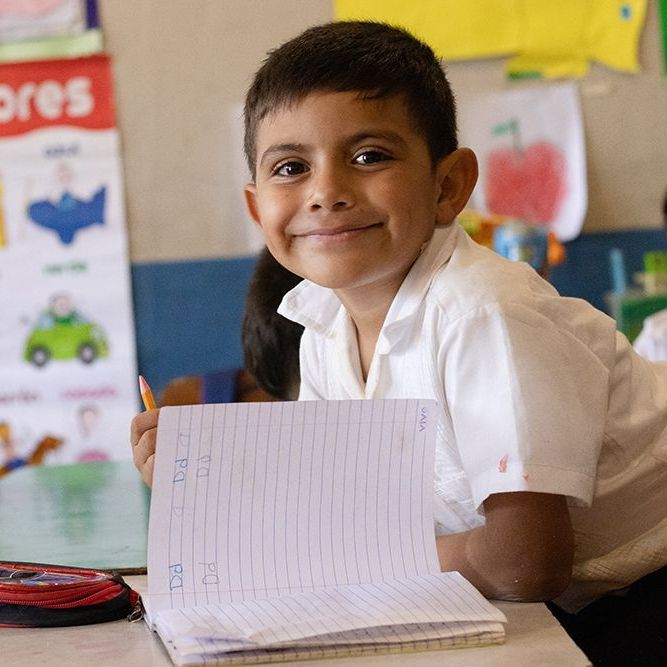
<point>61,332</point>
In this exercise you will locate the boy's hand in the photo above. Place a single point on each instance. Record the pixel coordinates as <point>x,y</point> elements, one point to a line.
<point>143,434</point>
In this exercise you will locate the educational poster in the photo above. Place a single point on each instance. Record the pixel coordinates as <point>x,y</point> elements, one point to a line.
<point>67,357</point>
<point>531,152</point>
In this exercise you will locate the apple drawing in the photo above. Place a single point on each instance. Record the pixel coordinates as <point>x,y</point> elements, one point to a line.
<point>528,183</point>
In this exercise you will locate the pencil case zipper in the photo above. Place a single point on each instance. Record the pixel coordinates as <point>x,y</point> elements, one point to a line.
<point>64,598</point>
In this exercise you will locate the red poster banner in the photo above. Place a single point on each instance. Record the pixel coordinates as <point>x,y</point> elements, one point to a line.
<point>76,92</point>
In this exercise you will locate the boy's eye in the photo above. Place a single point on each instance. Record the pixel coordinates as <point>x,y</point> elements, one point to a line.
<point>291,168</point>
<point>371,157</point>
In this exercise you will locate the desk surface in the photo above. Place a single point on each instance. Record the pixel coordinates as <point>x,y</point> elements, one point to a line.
<point>534,637</point>
<point>61,514</point>
<point>85,514</point>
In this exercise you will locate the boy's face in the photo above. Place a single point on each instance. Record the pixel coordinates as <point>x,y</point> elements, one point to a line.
<point>345,190</point>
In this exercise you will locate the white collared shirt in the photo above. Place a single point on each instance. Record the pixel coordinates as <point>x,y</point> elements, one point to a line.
<point>540,393</point>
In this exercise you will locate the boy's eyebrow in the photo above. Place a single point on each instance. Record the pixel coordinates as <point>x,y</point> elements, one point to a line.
<point>387,135</point>
<point>357,137</point>
<point>276,149</point>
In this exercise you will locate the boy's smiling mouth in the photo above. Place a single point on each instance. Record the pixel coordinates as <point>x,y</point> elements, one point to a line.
<point>332,233</point>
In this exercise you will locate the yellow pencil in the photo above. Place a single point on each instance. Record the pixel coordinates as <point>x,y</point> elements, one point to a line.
<point>146,394</point>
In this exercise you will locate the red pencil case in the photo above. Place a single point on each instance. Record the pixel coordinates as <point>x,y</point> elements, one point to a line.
<point>39,595</point>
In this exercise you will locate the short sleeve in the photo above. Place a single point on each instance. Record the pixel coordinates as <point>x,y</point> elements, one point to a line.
<point>528,403</point>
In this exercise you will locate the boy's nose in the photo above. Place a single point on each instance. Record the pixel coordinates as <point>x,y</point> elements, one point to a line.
<point>330,191</point>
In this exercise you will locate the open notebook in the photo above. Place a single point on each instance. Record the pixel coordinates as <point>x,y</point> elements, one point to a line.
<point>281,531</point>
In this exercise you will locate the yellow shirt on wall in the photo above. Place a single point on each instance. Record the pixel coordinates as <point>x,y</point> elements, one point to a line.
<point>545,39</point>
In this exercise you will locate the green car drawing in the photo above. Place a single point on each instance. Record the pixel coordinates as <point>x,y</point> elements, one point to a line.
<point>56,338</point>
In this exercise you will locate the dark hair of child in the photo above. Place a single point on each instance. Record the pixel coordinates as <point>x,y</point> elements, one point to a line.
<point>270,341</point>
<point>375,59</point>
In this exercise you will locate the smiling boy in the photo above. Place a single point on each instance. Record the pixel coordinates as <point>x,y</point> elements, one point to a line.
<point>349,187</point>
<point>551,475</point>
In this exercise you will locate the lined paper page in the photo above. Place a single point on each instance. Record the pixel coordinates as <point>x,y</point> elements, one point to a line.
<point>418,609</point>
<point>256,500</point>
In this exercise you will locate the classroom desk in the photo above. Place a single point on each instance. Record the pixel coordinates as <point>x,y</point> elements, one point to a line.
<point>84,514</point>
<point>96,514</point>
<point>534,637</point>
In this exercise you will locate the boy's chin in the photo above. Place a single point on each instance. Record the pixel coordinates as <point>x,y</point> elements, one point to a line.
<point>359,282</point>
<point>335,280</point>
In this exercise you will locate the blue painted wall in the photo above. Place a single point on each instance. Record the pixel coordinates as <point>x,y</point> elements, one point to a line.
<point>586,273</point>
<point>188,314</point>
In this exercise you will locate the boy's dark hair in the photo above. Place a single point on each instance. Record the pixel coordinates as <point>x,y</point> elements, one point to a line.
<point>271,341</point>
<point>376,59</point>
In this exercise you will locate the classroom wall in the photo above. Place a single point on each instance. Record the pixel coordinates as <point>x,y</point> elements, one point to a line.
<point>181,69</point>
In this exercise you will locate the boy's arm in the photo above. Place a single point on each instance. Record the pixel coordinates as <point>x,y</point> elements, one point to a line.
<point>524,552</point>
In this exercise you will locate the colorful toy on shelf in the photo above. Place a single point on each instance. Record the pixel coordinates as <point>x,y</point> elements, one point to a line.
<point>515,239</point>
<point>521,243</point>
<point>654,277</point>
<point>631,304</point>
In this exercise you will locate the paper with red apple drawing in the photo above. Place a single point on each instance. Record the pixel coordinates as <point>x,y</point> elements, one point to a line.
<point>531,152</point>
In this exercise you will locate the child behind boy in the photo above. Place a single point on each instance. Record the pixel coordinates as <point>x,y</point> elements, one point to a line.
<point>551,464</point>
<point>270,341</point>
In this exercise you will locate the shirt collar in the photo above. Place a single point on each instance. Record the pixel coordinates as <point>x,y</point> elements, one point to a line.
<point>319,308</point>
<point>413,290</point>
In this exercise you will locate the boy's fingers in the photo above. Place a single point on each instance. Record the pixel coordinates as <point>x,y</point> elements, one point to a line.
<point>144,448</point>
<point>143,436</point>
<point>144,456</point>
<point>147,472</point>
<point>141,423</point>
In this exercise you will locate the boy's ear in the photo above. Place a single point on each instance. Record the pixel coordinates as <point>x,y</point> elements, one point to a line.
<point>250,193</point>
<point>457,175</point>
